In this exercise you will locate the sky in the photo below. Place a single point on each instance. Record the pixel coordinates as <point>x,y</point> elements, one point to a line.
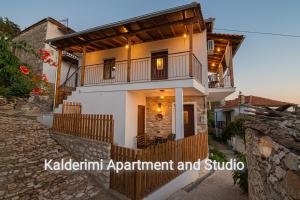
<point>265,65</point>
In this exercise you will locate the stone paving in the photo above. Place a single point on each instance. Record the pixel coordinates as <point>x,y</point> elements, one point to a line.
<point>24,144</point>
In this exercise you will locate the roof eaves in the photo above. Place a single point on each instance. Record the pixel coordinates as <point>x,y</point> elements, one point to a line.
<point>133,19</point>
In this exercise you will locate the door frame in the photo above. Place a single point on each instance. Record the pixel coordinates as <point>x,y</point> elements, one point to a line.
<point>195,115</point>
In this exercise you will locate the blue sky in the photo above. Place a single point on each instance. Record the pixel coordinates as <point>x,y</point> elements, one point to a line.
<point>265,65</point>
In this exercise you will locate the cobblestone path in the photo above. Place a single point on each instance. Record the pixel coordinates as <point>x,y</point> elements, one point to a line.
<point>24,144</point>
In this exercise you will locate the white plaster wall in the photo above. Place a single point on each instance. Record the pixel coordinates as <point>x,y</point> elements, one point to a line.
<point>200,51</point>
<point>173,45</point>
<point>132,101</point>
<point>50,71</point>
<point>105,103</point>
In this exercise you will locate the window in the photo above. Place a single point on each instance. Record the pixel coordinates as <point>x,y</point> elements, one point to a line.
<point>109,68</point>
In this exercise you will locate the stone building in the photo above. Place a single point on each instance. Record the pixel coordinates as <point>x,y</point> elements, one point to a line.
<point>35,36</point>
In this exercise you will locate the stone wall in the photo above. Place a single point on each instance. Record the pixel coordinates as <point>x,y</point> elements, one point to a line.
<point>274,170</point>
<point>91,150</point>
<point>33,105</point>
<point>34,37</point>
<point>164,126</point>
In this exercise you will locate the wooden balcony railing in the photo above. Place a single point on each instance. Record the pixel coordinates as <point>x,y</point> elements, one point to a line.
<point>216,81</point>
<point>141,70</point>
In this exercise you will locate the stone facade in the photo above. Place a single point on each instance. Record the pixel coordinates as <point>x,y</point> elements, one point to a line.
<point>155,126</point>
<point>91,150</point>
<point>34,37</point>
<point>274,170</point>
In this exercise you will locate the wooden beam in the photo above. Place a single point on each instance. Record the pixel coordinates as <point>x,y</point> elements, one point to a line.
<point>191,50</point>
<point>83,65</point>
<point>231,65</point>
<point>185,21</point>
<point>129,60</point>
<point>221,73</point>
<point>57,84</point>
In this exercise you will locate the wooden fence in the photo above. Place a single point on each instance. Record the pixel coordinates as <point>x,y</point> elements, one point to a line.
<point>71,108</point>
<point>139,184</point>
<point>91,126</point>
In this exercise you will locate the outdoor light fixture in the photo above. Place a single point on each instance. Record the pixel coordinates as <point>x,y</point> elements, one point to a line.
<point>213,64</point>
<point>184,35</point>
<point>218,49</point>
<point>159,107</point>
<point>159,63</point>
<point>159,115</point>
<point>162,97</point>
<point>127,46</point>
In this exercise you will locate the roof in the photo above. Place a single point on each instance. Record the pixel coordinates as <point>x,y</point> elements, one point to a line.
<point>163,24</point>
<point>221,40</point>
<point>61,26</point>
<point>255,101</point>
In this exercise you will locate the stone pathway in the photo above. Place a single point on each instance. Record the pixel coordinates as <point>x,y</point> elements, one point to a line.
<point>24,144</point>
<point>218,186</point>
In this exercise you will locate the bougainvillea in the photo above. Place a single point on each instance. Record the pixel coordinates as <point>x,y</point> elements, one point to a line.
<point>17,78</point>
<point>45,56</point>
<point>24,70</point>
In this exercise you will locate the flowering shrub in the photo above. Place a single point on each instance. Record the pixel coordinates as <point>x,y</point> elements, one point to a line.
<point>16,78</point>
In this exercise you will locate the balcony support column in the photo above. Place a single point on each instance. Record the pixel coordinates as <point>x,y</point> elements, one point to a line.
<point>83,65</point>
<point>58,72</point>
<point>128,60</point>
<point>231,65</point>
<point>221,74</point>
<point>179,126</point>
<point>191,50</point>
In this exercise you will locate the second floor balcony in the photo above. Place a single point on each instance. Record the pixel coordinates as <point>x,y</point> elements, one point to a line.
<point>160,66</point>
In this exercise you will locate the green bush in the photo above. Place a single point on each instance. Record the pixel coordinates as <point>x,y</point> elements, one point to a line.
<point>234,128</point>
<point>12,81</point>
<point>241,177</point>
<point>217,155</point>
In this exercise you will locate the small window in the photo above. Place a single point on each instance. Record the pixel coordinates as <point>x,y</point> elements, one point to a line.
<point>109,68</point>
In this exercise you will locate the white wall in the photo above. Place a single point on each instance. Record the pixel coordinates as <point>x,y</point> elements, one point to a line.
<point>132,101</point>
<point>173,45</point>
<point>105,103</point>
<point>50,71</point>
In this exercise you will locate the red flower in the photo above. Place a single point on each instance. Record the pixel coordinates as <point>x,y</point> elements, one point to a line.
<point>36,91</point>
<point>45,78</point>
<point>24,70</point>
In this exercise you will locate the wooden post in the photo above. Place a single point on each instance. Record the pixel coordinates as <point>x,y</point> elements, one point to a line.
<point>231,65</point>
<point>191,50</point>
<point>57,84</point>
<point>83,65</point>
<point>138,180</point>
<point>128,60</point>
<point>221,73</point>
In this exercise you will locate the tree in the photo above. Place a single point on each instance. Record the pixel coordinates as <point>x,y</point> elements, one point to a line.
<point>8,27</point>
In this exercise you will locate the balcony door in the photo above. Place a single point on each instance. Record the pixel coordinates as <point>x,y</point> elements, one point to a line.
<point>159,65</point>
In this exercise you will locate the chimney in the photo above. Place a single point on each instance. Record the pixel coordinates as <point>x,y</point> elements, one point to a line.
<point>241,98</point>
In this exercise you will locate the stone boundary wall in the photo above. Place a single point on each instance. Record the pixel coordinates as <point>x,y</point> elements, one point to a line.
<point>274,170</point>
<point>91,150</point>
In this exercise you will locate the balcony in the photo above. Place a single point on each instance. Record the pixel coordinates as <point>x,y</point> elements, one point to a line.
<point>217,80</point>
<point>175,66</point>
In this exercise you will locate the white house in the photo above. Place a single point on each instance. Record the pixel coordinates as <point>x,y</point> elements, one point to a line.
<point>154,73</point>
<point>232,109</point>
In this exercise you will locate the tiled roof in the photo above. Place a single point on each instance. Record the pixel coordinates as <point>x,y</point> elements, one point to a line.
<point>255,101</point>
